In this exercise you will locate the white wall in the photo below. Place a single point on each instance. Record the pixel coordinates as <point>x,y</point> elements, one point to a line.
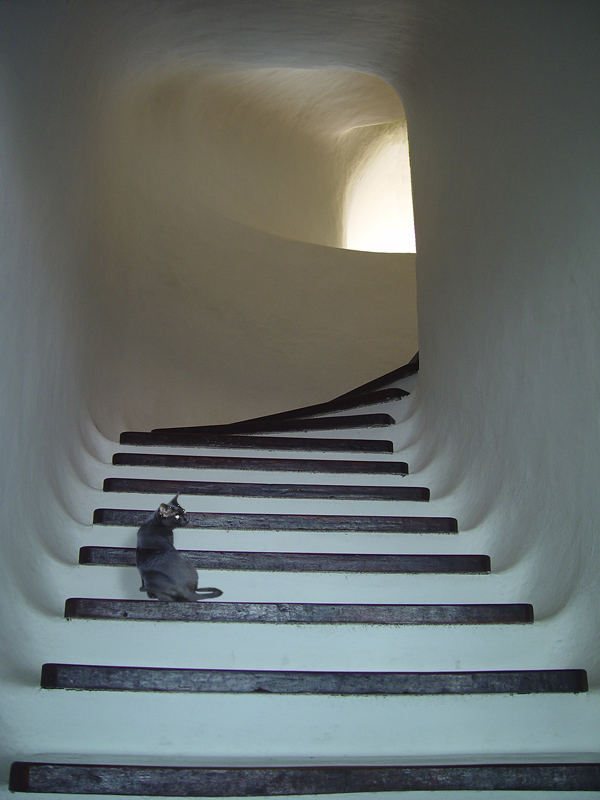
<point>124,306</point>
<point>192,174</point>
<point>116,290</point>
<point>502,110</point>
<point>503,113</point>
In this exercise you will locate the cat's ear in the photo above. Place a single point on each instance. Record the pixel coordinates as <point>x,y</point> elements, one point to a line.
<point>164,510</point>
<point>174,501</point>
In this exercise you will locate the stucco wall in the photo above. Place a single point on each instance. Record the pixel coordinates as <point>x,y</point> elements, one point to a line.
<point>123,305</point>
<point>503,113</point>
<point>192,173</point>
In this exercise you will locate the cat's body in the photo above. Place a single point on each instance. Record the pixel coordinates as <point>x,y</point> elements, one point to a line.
<point>166,574</point>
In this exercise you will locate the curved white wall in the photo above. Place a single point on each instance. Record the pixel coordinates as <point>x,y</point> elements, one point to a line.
<point>502,109</point>
<point>192,172</point>
<point>503,116</point>
<point>273,149</point>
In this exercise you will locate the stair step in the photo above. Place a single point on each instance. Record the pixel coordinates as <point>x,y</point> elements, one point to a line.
<point>287,522</point>
<point>257,423</point>
<point>283,490</point>
<point>384,380</point>
<point>257,442</point>
<point>219,781</point>
<point>157,679</point>
<point>293,424</point>
<point>300,613</point>
<point>301,562</point>
<point>260,464</point>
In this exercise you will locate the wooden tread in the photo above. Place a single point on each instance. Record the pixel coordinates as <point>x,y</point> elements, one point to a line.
<point>260,464</point>
<point>288,522</point>
<point>281,424</point>
<point>157,679</point>
<point>301,562</point>
<point>257,423</point>
<point>263,781</point>
<point>384,380</point>
<point>257,442</point>
<point>282,490</point>
<point>299,613</point>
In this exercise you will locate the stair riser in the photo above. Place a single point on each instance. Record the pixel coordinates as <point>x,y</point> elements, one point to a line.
<point>307,587</point>
<point>224,726</point>
<point>294,541</point>
<point>312,647</point>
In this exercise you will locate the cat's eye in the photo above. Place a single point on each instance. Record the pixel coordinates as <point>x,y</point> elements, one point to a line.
<point>176,516</point>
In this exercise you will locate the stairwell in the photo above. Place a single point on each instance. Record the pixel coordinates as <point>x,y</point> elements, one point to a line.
<point>362,645</point>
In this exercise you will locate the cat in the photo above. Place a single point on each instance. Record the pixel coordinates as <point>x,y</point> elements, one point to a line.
<point>166,574</point>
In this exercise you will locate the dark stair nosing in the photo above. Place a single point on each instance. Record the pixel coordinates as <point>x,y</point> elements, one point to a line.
<point>281,490</point>
<point>236,442</point>
<point>299,613</point>
<point>283,425</point>
<point>264,464</point>
<point>302,562</point>
<point>180,781</point>
<point>164,679</point>
<point>256,423</point>
<point>385,380</point>
<point>288,522</point>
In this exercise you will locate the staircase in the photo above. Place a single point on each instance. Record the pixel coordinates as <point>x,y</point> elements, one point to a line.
<point>361,644</point>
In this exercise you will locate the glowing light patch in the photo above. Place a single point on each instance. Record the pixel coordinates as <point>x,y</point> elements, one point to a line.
<point>379,212</point>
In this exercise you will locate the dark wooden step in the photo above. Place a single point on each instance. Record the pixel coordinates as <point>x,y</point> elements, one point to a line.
<point>263,781</point>
<point>282,425</point>
<point>299,613</point>
<point>257,442</point>
<point>154,679</point>
<point>288,522</point>
<point>385,380</point>
<point>281,490</point>
<point>264,464</point>
<point>301,562</point>
<point>257,423</point>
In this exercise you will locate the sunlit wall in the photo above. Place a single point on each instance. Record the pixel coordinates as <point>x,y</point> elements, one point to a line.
<point>379,213</point>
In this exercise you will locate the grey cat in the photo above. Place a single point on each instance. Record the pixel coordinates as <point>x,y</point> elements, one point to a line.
<point>166,574</point>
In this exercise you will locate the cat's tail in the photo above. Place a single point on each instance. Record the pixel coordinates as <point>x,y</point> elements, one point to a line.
<point>207,592</point>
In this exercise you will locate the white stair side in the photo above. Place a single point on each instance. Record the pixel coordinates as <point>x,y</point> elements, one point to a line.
<point>310,587</point>
<point>288,541</point>
<point>280,727</point>
<point>541,645</point>
<point>277,505</point>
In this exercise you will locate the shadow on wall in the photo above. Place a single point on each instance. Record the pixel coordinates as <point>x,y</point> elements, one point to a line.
<point>317,155</point>
<point>213,195</point>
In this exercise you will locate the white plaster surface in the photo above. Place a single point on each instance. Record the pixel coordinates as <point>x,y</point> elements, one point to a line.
<point>109,320</point>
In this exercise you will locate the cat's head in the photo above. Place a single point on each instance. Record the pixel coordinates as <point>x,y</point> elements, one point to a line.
<point>172,514</point>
